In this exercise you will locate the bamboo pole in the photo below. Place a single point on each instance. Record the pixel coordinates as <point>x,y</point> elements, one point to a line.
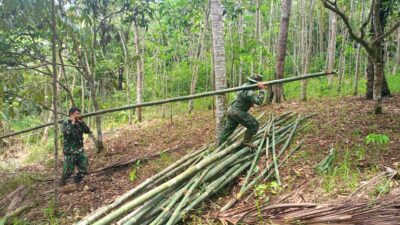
<point>210,168</point>
<point>274,158</point>
<point>180,178</point>
<point>178,209</point>
<point>98,213</point>
<point>252,183</point>
<point>182,98</point>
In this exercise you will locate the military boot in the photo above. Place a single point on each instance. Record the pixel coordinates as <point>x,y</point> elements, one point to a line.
<point>247,141</point>
<point>78,178</point>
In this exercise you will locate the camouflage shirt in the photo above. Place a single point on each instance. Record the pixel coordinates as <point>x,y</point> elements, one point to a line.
<point>245,99</point>
<point>73,136</point>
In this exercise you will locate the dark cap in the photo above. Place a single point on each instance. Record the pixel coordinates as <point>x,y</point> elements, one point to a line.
<point>73,109</point>
<point>255,78</point>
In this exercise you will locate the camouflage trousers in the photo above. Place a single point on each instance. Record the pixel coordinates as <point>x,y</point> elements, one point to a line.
<point>79,159</point>
<point>233,119</point>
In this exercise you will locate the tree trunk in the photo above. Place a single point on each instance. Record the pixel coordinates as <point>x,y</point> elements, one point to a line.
<point>93,95</point>
<point>332,46</point>
<point>139,77</point>
<point>258,35</point>
<point>308,35</point>
<point>342,60</point>
<point>357,70</point>
<point>219,60</point>
<point>281,52</point>
<point>55,98</point>
<point>378,59</point>
<point>120,77</point>
<point>271,44</point>
<point>397,59</point>
<point>370,79</point>
<point>125,69</point>
<point>195,69</point>
<point>241,43</point>
<point>320,31</point>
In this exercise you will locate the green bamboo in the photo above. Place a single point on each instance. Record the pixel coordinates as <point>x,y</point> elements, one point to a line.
<point>178,179</point>
<point>251,184</point>
<point>215,160</point>
<point>246,158</point>
<point>295,149</point>
<point>183,202</point>
<point>267,144</point>
<point>216,186</point>
<point>99,212</point>
<point>183,98</point>
<point>173,172</point>
<point>274,158</point>
<point>217,167</point>
<point>227,161</point>
<point>150,216</point>
<point>254,163</point>
<point>171,204</point>
<point>136,215</point>
<point>287,143</point>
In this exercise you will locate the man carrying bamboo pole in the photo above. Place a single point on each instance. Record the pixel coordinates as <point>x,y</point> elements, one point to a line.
<point>74,154</point>
<point>237,112</point>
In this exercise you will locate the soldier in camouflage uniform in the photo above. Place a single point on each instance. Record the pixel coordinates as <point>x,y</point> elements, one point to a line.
<point>237,113</point>
<point>74,154</point>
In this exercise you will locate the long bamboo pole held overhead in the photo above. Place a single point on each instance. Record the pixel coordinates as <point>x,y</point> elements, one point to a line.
<point>182,98</point>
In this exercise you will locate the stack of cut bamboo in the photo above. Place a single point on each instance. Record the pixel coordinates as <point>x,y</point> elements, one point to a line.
<point>171,194</point>
<point>382,211</point>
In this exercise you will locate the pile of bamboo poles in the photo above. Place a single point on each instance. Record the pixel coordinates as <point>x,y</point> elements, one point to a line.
<point>381,211</point>
<point>168,196</point>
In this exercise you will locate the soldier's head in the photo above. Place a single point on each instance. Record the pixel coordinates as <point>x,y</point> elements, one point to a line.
<point>74,112</point>
<point>253,79</point>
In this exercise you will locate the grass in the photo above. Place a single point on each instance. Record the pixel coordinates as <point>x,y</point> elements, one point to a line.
<point>343,177</point>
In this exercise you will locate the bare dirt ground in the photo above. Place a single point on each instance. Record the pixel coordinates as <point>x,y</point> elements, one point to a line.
<point>342,124</point>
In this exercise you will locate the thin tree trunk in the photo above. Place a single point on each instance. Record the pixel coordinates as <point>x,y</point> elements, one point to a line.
<point>165,88</point>
<point>270,30</point>
<point>320,32</point>
<point>342,59</point>
<point>93,95</point>
<point>309,36</point>
<point>332,46</point>
<point>281,53</point>
<point>258,35</point>
<point>55,99</point>
<point>219,60</point>
<point>241,43</point>
<point>63,73</point>
<point>139,78</point>
<point>357,70</point>
<point>397,59</point>
<point>195,70</point>
<point>126,71</point>
<point>83,94</point>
